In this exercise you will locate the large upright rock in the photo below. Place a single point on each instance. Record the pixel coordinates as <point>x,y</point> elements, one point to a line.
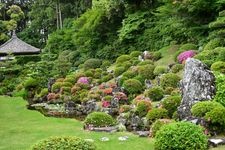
<point>198,84</point>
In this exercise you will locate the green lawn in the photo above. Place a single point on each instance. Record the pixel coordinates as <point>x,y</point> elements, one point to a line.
<point>20,128</point>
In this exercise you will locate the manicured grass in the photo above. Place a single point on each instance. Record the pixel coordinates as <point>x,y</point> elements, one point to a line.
<point>21,128</point>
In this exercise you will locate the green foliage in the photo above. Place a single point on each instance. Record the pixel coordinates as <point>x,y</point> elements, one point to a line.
<point>132,86</point>
<point>146,62</point>
<point>64,143</point>
<point>143,107</point>
<point>201,108</point>
<point>23,59</point>
<point>135,54</point>
<point>188,46</point>
<point>156,55</point>
<point>169,80</point>
<point>156,126</point>
<point>171,103</point>
<point>181,135</point>
<point>119,70</point>
<point>176,68</point>
<point>155,93</point>
<point>43,92</point>
<point>156,113</point>
<point>99,119</point>
<point>92,63</point>
<point>159,70</point>
<point>122,59</point>
<point>30,83</point>
<point>146,71</point>
<point>129,74</point>
<point>212,44</point>
<point>218,66</point>
<point>220,92</point>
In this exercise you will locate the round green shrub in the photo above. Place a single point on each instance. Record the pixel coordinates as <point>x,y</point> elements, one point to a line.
<point>146,71</point>
<point>176,68</point>
<point>64,143</point>
<point>119,70</point>
<point>135,54</point>
<point>129,74</point>
<point>43,92</point>
<point>212,44</point>
<point>156,126</point>
<point>156,55</point>
<point>146,62</point>
<point>143,107</point>
<point>156,113</point>
<point>218,66</point>
<point>122,80</point>
<point>89,73</point>
<point>140,78</point>
<point>126,65</point>
<point>155,93</point>
<point>159,70</point>
<point>188,46</point>
<point>56,86</point>
<point>171,103</point>
<point>107,78</point>
<point>99,119</point>
<point>67,84</point>
<point>201,108</point>
<point>132,86</point>
<point>92,63</point>
<point>168,90</point>
<point>105,64</point>
<point>122,59</point>
<point>70,79</point>
<point>30,83</point>
<point>181,136</point>
<point>169,80</point>
<point>216,118</point>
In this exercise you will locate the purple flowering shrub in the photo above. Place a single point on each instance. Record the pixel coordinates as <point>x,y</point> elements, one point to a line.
<point>185,55</point>
<point>83,80</point>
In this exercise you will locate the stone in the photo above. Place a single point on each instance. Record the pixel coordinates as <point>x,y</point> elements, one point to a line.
<point>104,139</point>
<point>148,84</point>
<point>122,138</point>
<point>143,133</point>
<point>89,140</point>
<point>216,142</point>
<point>136,122</point>
<point>114,103</point>
<point>51,81</point>
<point>198,84</point>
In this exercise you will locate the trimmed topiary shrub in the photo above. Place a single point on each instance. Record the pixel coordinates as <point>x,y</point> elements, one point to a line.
<point>99,119</point>
<point>159,70</point>
<point>67,84</point>
<point>188,46</point>
<point>30,83</point>
<point>176,68</point>
<point>201,108</point>
<point>143,106</point>
<point>135,54</point>
<point>122,59</point>
<point>220,89</point>
<point>146,62</point>
<point>129,74</point>
<point>171,103</point>
<point>156,113</point>
<point>218,66</point>
<point>92,63</point>
<point>169,80</point>
<point>146,71</point>
<point>212,44</point>
<point>64,143</point>
<point>156,55</point>
<point>132,86</point>
<point>119,70</point>
<point>155,93</point>
<point>181,136</point>
<point>156,126</point>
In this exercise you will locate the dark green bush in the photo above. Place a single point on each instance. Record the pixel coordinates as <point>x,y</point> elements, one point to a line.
<point>156,113</point>
<point>67,84</point>
<point>171,103</point>
<point>92,63</point>
<point>220,90</point>
<point>201,108</point>
<point>56,86</point>
<point>107,78</point>
<point>181,136</point>
<point>176,68</point>
<point>132,86</point>
<point>122,59</point>
<point>140,78</point>
<point>159,70</point>
<point>105,64</point>
<point>119,70</point>
<point>146,71</point>
<point>64,143</point>
<point>30,83</point>
<point>218,66</point>
<point>143,107</point>
<point>129,74</point>
<point>155,93</point>
<point>169,80</point>
<point>69,79</point>
<point>99,119</point>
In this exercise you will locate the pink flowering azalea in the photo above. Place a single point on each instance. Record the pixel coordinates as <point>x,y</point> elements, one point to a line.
<point>185,55</point>
<point>105,104</point>
<point>83,80</point>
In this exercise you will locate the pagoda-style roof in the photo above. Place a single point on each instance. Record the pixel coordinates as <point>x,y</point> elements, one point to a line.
<point>17,46</point>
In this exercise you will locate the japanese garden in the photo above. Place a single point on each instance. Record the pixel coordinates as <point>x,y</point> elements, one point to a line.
<point>112,75</point>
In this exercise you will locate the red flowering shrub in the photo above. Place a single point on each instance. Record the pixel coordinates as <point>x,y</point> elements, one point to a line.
<point>105,104</point>
<point>107,91</point>
<point>185,55</point>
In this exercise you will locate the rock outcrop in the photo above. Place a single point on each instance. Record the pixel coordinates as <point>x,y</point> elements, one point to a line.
<point>198,84</point>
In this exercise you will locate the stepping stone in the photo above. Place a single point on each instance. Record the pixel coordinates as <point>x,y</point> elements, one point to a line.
<point>123,138</point>
<point>89,140</point>
<point>104,139</point>
<point>216,142</point>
